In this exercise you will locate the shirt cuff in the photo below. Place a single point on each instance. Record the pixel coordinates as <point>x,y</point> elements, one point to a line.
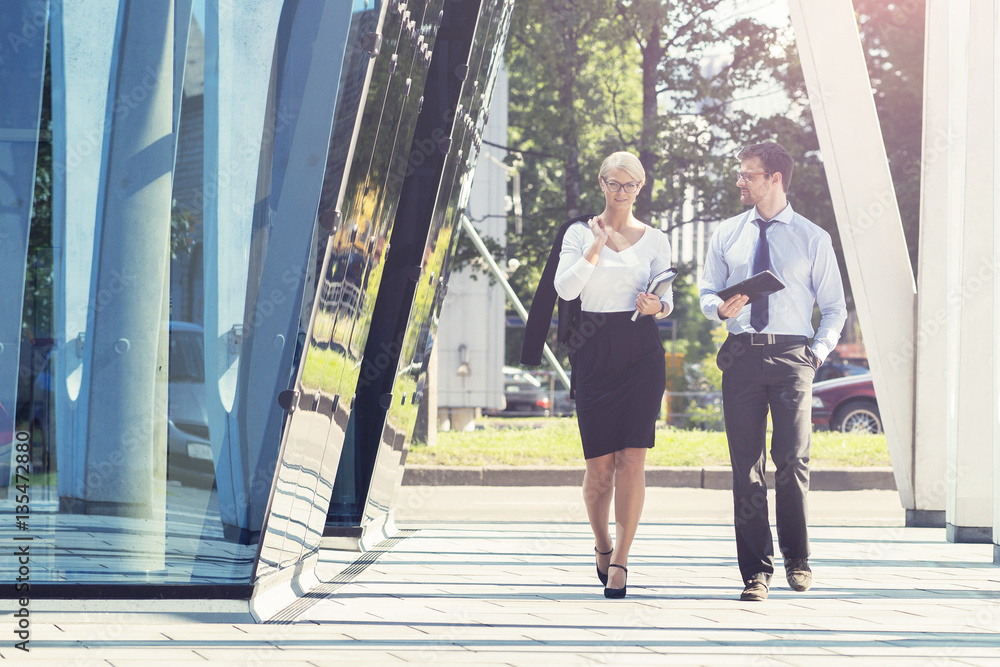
<point>821,350</point>
<point>710,308</point>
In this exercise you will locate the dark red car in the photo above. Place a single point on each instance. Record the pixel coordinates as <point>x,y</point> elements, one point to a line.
<point>846,404</point>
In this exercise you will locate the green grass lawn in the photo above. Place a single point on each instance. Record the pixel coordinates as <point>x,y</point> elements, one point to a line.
<point>555,441</point>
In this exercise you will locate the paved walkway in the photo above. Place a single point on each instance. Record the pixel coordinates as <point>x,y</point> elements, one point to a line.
<point>505,576</point>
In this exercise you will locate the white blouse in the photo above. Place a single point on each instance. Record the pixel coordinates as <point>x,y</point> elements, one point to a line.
<point>611,285</point>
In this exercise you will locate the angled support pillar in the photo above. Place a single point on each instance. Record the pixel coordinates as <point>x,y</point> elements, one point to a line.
<point>182,29</point>
<point>22,68</point>
<point>125,458</point>
<point>309,57</point>
<point>868,219</point>
<point>970,476</point>
<point>957,92</point>
<point>932,354</point>
<point>82,42</point>
<point>996,298</point>
<point>239,44</point>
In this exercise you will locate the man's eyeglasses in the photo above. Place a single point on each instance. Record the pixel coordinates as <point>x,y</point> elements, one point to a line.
<point>615,186</point>
<point>747,175</point>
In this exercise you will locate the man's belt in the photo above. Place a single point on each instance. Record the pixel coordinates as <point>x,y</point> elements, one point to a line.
<point>768,339</point>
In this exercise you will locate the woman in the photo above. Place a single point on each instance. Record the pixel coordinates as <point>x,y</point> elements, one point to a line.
<point>618,366</point>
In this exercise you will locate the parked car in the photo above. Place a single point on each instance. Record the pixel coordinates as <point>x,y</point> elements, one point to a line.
<point>189,450</point>
<point>846,404</point>
<point>562,404</point>
<point>524,395</point>
<point>838,369</point>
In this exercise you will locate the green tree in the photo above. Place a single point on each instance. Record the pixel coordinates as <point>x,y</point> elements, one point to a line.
<point>565,73</point>
<point>573,98</point>
<point>37,310</point>
<point>696,60</point>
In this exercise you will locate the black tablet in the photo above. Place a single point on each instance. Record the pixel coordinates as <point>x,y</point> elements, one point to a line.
<point>756,286</point>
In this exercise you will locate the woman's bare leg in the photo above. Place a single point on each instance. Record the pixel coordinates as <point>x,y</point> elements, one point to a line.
<point>629,495</point>
<point>598,489</point>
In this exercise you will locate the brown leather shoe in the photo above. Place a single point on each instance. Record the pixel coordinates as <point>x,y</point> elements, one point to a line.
<point>755,591</point>
<point>798,573</point>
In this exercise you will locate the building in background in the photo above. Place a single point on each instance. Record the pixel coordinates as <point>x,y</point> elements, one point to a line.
<point>470,346</point>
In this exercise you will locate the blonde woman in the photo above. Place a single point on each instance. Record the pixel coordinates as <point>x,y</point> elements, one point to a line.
<point>618,366</point>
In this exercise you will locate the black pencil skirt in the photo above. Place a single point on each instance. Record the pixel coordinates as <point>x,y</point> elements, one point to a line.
<point>620,376</point>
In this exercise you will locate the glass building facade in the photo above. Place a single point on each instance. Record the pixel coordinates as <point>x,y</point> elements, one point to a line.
<point>225,232</point>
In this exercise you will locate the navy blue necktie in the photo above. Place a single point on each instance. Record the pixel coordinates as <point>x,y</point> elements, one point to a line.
<point>761,262</point>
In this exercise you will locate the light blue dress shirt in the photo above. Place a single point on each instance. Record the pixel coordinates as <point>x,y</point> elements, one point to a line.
<point>803,259</point>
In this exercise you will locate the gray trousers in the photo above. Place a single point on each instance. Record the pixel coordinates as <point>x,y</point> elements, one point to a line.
<point>755,379</point>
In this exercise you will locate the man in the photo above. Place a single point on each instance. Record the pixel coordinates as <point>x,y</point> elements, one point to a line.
<point>767,360</point>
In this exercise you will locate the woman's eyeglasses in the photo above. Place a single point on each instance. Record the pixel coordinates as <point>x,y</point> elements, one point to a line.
<point>615,186</point>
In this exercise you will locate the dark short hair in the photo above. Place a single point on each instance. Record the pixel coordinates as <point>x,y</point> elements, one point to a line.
<point>775,159</point>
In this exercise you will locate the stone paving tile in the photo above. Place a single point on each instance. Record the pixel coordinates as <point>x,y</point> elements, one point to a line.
<point>46,662</point>
<point>462,635</point>
<point>463,658</point>
<point>248,660</point>
<point>80,654</point>
<point>220,632</point>
<point>65,632</point>
<point>697,659</point>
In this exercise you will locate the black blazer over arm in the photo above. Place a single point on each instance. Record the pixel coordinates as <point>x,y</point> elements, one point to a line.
<point>536,329</point>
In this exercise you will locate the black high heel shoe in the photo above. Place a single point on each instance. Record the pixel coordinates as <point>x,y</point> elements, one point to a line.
<point>603,576</point>
<point>616,593</point>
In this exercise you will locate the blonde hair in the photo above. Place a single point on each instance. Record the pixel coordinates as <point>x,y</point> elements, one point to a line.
<point>625,161</point>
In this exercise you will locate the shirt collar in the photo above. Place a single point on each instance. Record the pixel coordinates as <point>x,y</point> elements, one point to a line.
<point>785,215</point>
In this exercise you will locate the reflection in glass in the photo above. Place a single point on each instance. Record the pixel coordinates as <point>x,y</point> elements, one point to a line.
<point>199,331</point>
<point>436,188</point>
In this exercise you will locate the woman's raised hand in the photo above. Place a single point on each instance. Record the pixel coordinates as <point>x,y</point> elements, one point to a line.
<point>598,230</point>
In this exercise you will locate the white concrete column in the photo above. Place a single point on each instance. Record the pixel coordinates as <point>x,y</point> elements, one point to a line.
<point>474,308</point>
<point>957,94</point>
<point>996,297</point>
<point>929,419</point>
<point>868,219</point>
<point>82,43</point>
<point>239,48</point>
<point>124,358</point>
<point>970,464</point>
